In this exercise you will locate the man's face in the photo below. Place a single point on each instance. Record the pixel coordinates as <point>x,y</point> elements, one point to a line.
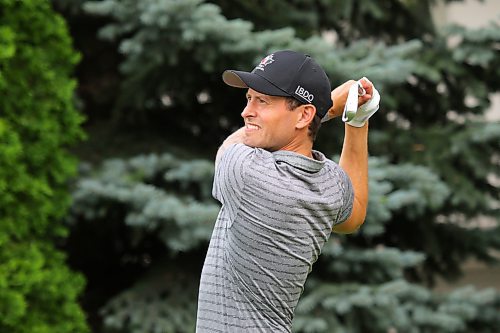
<point>269,124</point>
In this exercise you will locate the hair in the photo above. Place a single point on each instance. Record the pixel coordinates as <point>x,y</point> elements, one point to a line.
<point>315,124</point>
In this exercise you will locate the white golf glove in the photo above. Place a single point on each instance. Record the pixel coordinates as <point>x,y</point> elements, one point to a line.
<point>357,116</point>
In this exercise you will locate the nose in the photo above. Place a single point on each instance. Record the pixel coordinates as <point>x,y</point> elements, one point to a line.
<point>248,111</point>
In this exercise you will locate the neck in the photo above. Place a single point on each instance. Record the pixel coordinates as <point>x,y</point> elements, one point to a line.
<point>300,146</point>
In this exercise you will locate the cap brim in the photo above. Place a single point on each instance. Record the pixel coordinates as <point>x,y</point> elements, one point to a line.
<point>254,81</point>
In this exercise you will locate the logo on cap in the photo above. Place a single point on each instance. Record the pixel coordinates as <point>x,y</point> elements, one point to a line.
<point>304,94</point>
<point>264,62</point>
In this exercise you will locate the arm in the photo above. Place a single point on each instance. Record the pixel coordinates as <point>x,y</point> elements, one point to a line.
<point>354,157</point>
<point>236,137</point>
<point>354,161</point>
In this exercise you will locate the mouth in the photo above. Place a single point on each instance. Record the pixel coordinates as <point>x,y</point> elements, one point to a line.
<point>251,127</point>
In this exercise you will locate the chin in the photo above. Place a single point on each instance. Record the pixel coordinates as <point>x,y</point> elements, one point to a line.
<point>251,143</point>
<point>256,144</point>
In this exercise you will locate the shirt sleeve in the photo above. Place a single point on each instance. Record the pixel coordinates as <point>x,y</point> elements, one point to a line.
<point>229,178</point>
<point>347,197</point>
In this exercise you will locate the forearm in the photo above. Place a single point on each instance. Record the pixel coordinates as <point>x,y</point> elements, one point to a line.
<point>354,161</point>
<point>237,137</point>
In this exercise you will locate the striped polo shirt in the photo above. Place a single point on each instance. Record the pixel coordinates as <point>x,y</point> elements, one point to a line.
<point>277,212</point>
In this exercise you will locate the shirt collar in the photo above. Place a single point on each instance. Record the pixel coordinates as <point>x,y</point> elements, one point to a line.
<point>300,161</point>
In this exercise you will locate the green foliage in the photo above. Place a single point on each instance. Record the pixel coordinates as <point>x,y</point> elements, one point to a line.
<point>465,156</point>
<point>159,39</point>
<point>166,205</point>
<point>38,293</point>
<point>436,172</point>
<point>37,123</point>
<point>164,199</point>
<point>154,195</point>
<point>394,306</point>
<point>164,299</point>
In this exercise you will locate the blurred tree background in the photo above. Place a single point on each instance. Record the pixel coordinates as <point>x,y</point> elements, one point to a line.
<point>149,85</point>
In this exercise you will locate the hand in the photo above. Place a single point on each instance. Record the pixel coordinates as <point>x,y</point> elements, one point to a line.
<point>357,115</point>
<point>339,97</point>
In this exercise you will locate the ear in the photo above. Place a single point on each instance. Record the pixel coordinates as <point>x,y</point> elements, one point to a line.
<point>306,115</point>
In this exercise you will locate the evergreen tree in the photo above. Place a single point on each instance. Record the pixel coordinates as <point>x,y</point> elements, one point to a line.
<point>38,121</point>
<point>435,175</point>
<point>165,205</point>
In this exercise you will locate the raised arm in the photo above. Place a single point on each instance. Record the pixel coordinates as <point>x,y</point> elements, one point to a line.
<point>354,158</point>
<point>354,161</point>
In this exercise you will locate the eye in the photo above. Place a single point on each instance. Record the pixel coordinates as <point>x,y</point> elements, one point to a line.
<point>261,100</point>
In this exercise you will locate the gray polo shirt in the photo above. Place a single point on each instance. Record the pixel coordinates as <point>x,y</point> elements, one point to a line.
<point>277,212</point>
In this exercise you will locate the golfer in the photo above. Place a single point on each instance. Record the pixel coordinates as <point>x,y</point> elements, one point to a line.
<point>280,198</point>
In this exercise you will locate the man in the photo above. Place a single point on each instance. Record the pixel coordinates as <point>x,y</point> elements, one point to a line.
<point>280,198</point>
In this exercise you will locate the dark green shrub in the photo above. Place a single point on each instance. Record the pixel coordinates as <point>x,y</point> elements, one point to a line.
<point>38,122</point>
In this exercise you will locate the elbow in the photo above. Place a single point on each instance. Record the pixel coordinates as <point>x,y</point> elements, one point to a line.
<point>353,222</point>
<point>348,227</point>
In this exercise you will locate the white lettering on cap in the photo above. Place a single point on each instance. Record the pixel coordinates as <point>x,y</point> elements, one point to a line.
<point>304,94</point>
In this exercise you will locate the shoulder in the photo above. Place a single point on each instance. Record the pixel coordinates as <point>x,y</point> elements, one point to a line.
<point>237,164</point>
<point>240,150</point>
<point>334,171</point>
<point>330,165</point>
<point>241,157</point>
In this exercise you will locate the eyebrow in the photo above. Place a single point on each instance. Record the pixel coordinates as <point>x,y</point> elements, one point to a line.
<point>261,96</point>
